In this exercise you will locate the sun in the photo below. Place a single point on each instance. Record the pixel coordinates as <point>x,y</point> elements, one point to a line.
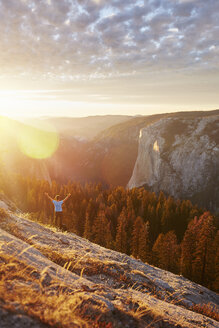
<point>12,103</point>
<point>37,140</point>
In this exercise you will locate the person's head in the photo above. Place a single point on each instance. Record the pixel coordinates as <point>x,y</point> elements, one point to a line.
<point>57,197</point>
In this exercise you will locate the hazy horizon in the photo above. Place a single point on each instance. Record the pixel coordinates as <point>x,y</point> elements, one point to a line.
<point>61,116</point>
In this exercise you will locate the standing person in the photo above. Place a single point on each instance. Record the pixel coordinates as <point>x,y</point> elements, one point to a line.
<point>58,214</point>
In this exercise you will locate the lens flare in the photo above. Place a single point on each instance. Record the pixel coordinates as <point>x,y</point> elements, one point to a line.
<point>39,143</point>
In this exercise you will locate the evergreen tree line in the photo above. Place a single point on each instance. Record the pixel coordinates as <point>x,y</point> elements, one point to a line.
<point>171,234</point>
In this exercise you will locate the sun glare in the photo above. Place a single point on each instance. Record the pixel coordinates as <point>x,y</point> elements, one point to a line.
<point>11,103</point>
<point>35,141</point>
<point>38,142</point>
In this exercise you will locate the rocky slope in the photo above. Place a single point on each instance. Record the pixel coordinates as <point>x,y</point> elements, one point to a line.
<point>66,281</point>
<point>181,157</point>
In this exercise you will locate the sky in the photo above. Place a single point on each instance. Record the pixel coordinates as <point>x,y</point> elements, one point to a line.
<point>97,57</point>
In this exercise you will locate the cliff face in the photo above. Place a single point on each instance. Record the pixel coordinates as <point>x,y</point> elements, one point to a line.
<point>181,157</point>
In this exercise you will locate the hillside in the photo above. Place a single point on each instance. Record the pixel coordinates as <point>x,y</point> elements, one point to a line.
<point>82,128</point>
<point>53,278</point>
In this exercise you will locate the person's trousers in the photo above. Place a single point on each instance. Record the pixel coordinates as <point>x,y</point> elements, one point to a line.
<point>58,219</point>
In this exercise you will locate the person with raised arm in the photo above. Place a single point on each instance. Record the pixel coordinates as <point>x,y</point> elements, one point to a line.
<point>58,213</point>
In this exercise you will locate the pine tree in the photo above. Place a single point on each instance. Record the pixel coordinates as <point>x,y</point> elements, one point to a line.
<point>144,243</point>
<point>137,230</point>
<point>108,236</point>
<point>72,222</point>
<point>121,235</point>
<point>157,251</point>
<point>87,228</point>
<point>215,284</point>
<point>112,215</point>
<point>188,247</point>
<point>166,251</point>
<point>89,219</point>
<point>130,219</point>
<point>183,217</point>
<point>152,218</point>
<point>140,244</point>
<point>204,253</point>
<point>156,223</point>
<point>101,230</point>
<point>169,219</point>
<point>171,252</point>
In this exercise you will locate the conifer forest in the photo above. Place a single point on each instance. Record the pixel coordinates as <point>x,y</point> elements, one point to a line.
<point>174,235</point>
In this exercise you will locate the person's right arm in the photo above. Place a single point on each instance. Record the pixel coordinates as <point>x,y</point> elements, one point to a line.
<point>47,195</point>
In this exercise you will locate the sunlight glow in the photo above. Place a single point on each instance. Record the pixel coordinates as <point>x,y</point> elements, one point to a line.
<point>38,143</point>
<point>24,103</point>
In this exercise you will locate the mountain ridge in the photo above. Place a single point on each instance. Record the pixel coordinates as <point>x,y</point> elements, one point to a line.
<point>108,158</point>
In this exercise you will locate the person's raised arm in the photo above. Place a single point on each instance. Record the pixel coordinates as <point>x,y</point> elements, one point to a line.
<point>48,196</point>
<point>66,197</point>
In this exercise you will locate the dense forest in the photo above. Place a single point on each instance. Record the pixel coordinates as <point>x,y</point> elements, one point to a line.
<point>171,234</point>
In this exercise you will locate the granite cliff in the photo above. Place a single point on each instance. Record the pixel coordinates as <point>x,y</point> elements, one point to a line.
<point>180,156</point>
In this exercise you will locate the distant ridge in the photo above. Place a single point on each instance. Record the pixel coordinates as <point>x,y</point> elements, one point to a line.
<point>101,149</point>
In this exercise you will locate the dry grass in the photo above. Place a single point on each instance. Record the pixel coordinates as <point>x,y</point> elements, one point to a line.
<point>208,310</point>
<point>142,313</point>
<point>21,291</point>
<point>83,265</point>
<point>3,213</point>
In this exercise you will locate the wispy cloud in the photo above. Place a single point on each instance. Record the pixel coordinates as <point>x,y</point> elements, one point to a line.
<point>69,40</point>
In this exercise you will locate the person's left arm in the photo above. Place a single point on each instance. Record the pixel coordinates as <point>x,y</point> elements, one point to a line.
<point>67,197</point>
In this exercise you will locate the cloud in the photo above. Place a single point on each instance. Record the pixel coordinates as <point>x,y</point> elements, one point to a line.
<point>68,39</point>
